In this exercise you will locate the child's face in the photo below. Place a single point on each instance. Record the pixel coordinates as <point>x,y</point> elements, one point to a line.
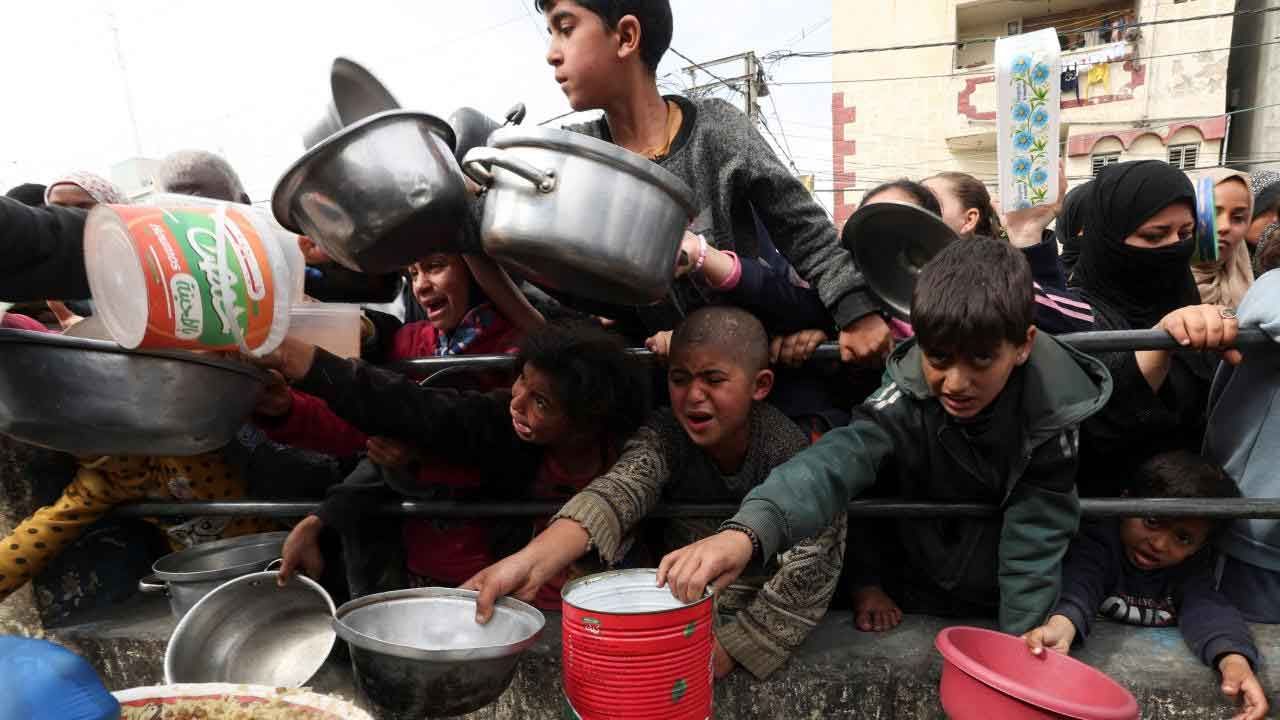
<point>583,52</point>
<point>712,394</point>
<point>442,286</point>
<point>967,385</point>
<point>1233,202</point>
<point>1156,543</point>
<point>536,412</point>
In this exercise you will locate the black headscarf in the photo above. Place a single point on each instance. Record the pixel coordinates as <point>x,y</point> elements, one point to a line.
<point>1141,285</point>
<point>1070,223</point>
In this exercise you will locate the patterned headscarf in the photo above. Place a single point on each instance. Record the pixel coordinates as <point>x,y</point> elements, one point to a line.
<point>98,187</point>
<point>1265,185</point>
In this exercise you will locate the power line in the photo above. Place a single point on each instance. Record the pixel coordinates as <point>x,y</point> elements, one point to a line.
<point>703,68</point>
<point>777,55</point>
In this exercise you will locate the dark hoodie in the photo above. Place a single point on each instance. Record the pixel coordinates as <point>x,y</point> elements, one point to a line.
<point>1020,455</point>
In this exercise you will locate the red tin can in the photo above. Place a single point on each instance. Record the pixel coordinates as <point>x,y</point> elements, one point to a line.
<point>632,651</point>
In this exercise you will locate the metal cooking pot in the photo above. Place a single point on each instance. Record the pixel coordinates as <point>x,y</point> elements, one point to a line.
<point>420,653</point>
<point>251,630</point>
<point>891,242</point>
<point>357,94</point>
<point>91,397</point>
<point>190,574</point>
<point>580,215</point>
<point>378,195</point>
<point>473,127</point>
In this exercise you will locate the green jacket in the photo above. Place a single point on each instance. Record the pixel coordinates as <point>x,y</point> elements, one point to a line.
<point>1022,456</point>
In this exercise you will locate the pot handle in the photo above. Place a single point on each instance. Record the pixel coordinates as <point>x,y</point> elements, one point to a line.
<point>151,585</point>
<point>479,162</point>
<point>275,565</point>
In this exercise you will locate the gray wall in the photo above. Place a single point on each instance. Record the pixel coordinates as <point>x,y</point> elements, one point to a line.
<point>1254,79</point>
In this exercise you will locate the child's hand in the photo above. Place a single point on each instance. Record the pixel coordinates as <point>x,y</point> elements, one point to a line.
<point>723,661</point>
<point>276,400</point>
<point>866,341</point>
<point>710,564</point>
<point>1242,686</point>
<point>690,248</point>
<point>390,453</point>
<point>513,575</point>
<point>1056,634</point>
<point>66,318</point>
<point>302,551</point>
<point>795,350</point>
<point>292,359</point>
<point>660,344</point>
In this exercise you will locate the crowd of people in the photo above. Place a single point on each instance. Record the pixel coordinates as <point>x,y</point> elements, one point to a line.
<point>973,400</point>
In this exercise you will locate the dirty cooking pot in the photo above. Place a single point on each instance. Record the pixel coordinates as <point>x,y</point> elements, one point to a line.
<point>91,397</point>
<point>379,194</point>
<point>252,630</point>
<point>580,215</point>
<point>189,575</point>
<point>420,653</point>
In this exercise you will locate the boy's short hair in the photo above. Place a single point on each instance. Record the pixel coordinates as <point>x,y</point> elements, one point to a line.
<point>923,195</point>
<point>1182,474</point>
<point>597,382</point>
<point>656,24</point>
<point>736,332</point>
<point>202,174</point>
<point>971,296</point>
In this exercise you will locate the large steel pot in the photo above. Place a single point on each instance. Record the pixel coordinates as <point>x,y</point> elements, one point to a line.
<point>420,653</point>
<point>580,215</point>
<point>91,397</point>
<point>251,630</point>
<point>379,194</point>
<point>357,94</point>
<point>189,575</point>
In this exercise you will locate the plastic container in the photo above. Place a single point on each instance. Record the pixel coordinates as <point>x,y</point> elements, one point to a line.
<point>199,275</point>
<point>988,674</point>
<point>332,326</point>
<point>42,681</point>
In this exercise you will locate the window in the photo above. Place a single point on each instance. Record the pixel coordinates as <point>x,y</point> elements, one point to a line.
<point>1184,157</point>
<point>1101,160</point>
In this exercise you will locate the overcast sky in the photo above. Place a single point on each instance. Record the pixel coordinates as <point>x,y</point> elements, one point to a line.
<point>92,82</point>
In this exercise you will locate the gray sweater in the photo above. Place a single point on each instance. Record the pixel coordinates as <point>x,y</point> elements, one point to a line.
<point>733,172</point>
<point>1244,427</point>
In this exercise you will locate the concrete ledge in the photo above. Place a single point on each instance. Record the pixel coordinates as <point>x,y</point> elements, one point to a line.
<point>840,673</point>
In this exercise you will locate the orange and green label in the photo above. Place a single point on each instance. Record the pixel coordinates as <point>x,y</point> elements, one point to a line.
<point>208,277</point>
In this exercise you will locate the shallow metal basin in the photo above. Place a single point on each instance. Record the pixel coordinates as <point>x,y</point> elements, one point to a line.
<point>420,653</point>
<point>188,575</point>
<point>91,397</point>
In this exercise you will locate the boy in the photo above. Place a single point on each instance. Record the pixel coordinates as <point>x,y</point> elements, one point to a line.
<point>1152,571</point>
<point>605,54</point>
<point>716,441</point>
<point>977,407</point>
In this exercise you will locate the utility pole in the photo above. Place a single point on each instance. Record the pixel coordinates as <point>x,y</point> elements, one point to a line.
<point>750,83</point>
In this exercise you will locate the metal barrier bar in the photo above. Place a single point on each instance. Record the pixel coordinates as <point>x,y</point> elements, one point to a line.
<point>1090,342</point>
<point>1092,507</point>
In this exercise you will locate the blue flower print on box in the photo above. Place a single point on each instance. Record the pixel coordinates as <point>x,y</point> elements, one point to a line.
<point>1039,177</point>
<point>1021,166</point>
<point>1021,64</point>
<point>1021,112</point>
<point>1039,118</point>
<point>1040,74</point>
<point>1028,98</point>
<point>1023,140</point>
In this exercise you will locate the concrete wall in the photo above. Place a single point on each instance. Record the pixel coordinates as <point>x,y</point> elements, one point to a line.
<point>1255,135</point>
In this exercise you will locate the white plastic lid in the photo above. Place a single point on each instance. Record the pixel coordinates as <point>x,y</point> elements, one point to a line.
<point>116,277</point>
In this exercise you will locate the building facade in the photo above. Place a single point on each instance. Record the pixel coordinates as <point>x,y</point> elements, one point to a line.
<point>1254,142</point>
<point>1140,91</point>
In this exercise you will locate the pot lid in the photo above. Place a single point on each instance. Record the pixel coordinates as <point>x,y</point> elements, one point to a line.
<point>283,192</point>
<point>221,558</point>
<point>891,242</point>
<point>580,145</point>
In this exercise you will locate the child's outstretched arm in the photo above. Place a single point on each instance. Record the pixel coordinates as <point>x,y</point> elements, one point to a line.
<point>1240,684</point>
<point>1216,632</point>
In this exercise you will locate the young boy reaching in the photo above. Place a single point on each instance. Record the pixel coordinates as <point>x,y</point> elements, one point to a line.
<point>977,408</point>
<point>716,441</point>
<point>1158,572</point>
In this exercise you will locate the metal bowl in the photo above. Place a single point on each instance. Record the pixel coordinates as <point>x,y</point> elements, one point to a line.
<point>251,630</point>
<point>357,94</point>
<point>378,195</point>
<point>189,575</point>
<point>90,397</point>
<point>420,653</point>
<point>892,242</point>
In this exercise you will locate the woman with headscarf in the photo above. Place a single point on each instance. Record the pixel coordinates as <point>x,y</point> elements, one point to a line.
<point>83,190</point>
<point>1134,269</point>
<point>1226,280</point>
<point>1265,185</point>
<point>1070,225</point>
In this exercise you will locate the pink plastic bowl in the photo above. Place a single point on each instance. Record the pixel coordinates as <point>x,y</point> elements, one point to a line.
<point>990,675</point>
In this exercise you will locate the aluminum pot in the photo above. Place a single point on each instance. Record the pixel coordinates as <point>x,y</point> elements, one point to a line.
<point>357,94</point>
<point>580,215</point>
<point>378,195</point>
<point>251,630</point>
<point>189,575</point>
<point>420,653</point>
<point>92,397</point>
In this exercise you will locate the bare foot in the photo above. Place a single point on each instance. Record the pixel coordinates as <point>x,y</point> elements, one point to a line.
<point>875,611</point>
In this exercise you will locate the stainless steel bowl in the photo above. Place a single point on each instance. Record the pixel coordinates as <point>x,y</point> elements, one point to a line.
<point>378,195</point>
<point>188,575</point>
<point>420,653</point>
<point>580,215</point>
<point>357,94</point>
<point>251,630</point>
<point>90,397</point>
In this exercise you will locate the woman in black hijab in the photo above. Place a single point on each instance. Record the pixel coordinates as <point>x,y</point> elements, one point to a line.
<point>1135,270</point>
<point>1069,226</point>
